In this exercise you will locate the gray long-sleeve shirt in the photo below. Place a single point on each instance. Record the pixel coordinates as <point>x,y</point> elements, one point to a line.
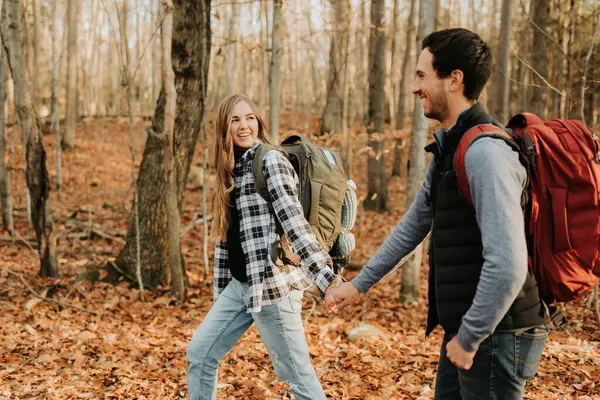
<point>496,179</point>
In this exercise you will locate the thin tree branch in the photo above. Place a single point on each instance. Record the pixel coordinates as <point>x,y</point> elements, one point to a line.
<point>61,303</point>
<point>537,73</point>
<point>119,270</point>
<point>22,239</point>
<point>195,222</point>
<point>156,30</point>
<point>536,26</point>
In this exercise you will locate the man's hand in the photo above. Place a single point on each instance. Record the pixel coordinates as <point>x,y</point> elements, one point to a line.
<point>341,296</point>
<point>330,301</point>
<point>458,356</point>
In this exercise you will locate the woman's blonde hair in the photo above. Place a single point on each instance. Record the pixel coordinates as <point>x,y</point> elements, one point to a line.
<point>224,163</point>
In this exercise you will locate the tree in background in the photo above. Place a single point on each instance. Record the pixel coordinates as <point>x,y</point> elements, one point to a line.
<point>377,196</point>
<point>332,120</point>
<point>68,141</point>
<point>539,56</point>
<point>36,173</point>
<point>275,72</point>
<point>411,272</point>
<point>190,57</point>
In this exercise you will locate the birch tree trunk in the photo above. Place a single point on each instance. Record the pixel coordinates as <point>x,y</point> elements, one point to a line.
<point>411,272</point>
<point>35,154</point>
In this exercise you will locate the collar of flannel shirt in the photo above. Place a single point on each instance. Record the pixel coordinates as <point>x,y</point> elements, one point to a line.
<point>249,154</point>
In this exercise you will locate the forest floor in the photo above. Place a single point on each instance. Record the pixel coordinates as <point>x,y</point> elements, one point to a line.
<point>116,346</point>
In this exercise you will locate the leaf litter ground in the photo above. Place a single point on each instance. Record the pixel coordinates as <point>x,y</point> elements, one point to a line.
<point>133,349</point>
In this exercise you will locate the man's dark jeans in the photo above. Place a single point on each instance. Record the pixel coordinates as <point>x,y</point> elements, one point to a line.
<point>503,363</point>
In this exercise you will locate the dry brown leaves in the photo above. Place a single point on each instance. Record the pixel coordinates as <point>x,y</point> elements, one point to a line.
<point>134,349</point>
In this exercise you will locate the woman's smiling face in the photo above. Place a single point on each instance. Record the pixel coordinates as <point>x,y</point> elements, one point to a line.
<point>243,125</point>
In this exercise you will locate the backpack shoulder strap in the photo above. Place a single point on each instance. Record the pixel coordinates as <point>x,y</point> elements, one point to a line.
<point>477,132</point>
<point>257,170</point>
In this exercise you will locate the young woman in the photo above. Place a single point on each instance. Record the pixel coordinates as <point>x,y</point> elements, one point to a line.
<point>248,286</point>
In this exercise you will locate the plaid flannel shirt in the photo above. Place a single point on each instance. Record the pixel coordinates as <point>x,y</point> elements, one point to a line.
<point>269,282</point>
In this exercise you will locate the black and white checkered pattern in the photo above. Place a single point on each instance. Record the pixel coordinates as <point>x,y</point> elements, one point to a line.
<point>269,282</point>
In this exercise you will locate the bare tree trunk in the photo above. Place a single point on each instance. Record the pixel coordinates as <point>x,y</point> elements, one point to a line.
<point>5,173</point>
<point>128,70</point>
<point>205,187</point>
<point>275,72</point>
<point>155,61</point>
<point>393,75</point>
<point>539,58</point>
<point>232,60</point>
<point>585,69</point>
<point>399,162</point>
<point>68,141</point>
<point>411,273</point>
<point>366,66</point>
<point>332,120</point>
<point>491,92</point>
<point>315,79</point>
<point>573,11</point>
<point>88,80</point>
<point>564,70</point>
<point>346,105</point>
<point>173,247</point>
<point>35,76</point>
<point>524,76</point>
<point>99,101</point>
<point>502,76</point>
<point>141,69</point>
<point>35,155</point>
<point>54,105</point>
<point>377,187</point>
<point>190,57</point>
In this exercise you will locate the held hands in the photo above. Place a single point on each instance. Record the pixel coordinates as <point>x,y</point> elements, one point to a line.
<point>340,294</point>
<point>458,356</point>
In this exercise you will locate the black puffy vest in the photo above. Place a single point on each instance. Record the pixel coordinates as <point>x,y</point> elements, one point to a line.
<point>456,250</point>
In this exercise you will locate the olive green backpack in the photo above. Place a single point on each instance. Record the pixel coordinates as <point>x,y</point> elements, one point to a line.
<point>328,198</point>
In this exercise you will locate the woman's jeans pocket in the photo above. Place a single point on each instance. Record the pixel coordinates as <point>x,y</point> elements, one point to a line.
<point>530,346</point>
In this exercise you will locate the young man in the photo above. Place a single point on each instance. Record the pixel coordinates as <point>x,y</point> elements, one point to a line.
<point>480,290</point>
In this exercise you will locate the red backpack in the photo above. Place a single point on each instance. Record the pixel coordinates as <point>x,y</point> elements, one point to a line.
<point>562,206</point>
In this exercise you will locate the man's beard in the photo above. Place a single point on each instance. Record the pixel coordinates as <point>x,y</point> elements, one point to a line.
<point>439,107</point>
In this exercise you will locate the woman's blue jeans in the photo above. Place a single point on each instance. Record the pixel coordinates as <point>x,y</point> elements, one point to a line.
<point>280,327</point>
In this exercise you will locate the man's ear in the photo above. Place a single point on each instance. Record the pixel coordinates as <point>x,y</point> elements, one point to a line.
<point>456,79</point>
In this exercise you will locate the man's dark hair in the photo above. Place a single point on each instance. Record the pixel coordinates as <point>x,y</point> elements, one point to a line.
<point>461,49</point>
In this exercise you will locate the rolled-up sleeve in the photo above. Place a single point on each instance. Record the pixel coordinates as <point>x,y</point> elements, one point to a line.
<point>282,184</point>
